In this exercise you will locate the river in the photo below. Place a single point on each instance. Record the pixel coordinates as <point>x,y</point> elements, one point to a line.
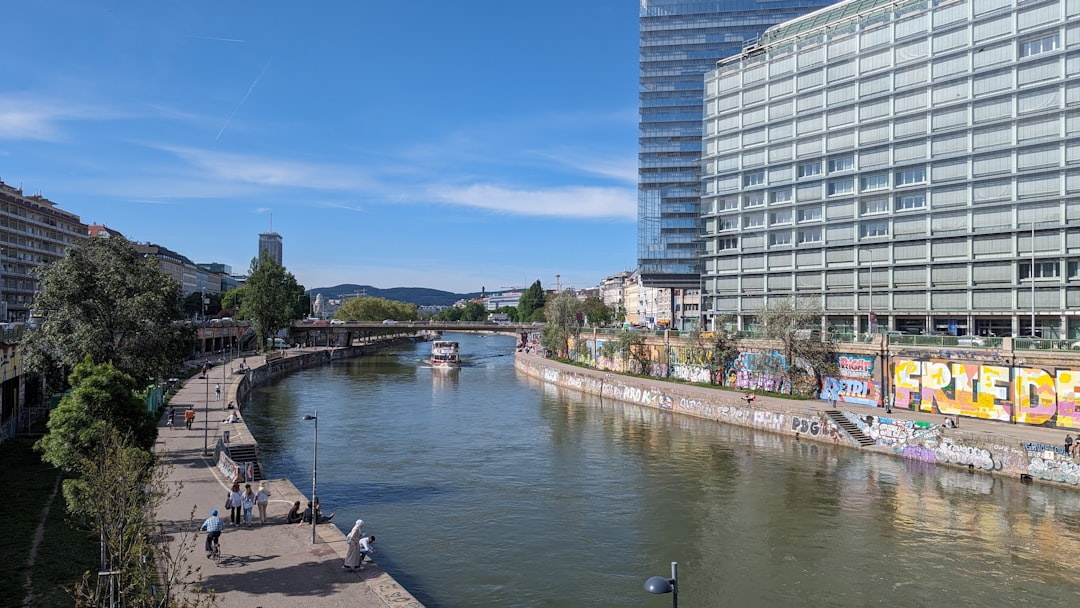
<point>487,488</point>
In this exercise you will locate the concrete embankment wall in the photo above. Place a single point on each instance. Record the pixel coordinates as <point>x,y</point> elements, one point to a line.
<point>1016,451</point>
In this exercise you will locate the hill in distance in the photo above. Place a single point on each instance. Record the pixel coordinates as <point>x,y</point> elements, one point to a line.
<point>421,296</point>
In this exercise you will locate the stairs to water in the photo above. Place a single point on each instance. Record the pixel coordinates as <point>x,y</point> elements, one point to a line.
<point>850,428</point>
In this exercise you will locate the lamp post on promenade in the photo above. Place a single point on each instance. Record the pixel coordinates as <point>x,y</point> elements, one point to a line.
<point>314,473</point>
<point>659,584</point>
<point>206,413</point>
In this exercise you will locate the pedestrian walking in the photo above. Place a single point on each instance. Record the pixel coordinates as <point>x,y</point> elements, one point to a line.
<point>353,556</point>
<point>234,501</point>
<point>1069,444</point>
<point>262,500</point>
<point>247,502</point>
<point>189,416</point>
<point>217,392</point>
<point>172,414</point>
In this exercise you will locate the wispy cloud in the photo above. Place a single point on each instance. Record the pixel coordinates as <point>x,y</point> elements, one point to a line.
<point>217,39</point>
<point>277,173</point>
<point>27,117</point>
<point>574,201</point>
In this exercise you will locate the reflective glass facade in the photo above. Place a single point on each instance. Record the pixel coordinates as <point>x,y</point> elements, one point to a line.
<point>912,166</point>
<point>679,42</point>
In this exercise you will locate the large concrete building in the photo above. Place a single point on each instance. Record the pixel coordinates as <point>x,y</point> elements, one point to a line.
<point>33,232</point>
<point>680,40</point>
<point>270,244</point>
<point>909,165</point>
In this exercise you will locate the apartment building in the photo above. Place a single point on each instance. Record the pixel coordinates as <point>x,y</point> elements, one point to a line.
<point>904,164</point>
<point>33,232</point>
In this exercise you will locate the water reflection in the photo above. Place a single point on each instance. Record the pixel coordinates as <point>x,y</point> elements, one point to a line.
<point>485,487</point>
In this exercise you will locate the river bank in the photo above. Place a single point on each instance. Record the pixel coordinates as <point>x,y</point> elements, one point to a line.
<point>263,565</point>
<point>1029,453</point>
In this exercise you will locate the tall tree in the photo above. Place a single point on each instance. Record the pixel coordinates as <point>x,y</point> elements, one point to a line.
<point>531,300</point>
<point>101,395</point>
<point>106,300</point>
<point>596,312</point>
<point>270,297</point>
<point>807,353</point>
<point>562,324</point>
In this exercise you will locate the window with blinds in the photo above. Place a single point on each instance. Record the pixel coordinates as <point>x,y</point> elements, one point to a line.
<point>753,262</point>
<point>948,300</point>
<point>780,174</point>
<point>919,24</point>
<point>990,164</point>
<point>841,94</point>
<point>911,76</point>
<point>779,260</point>
<point>752,96</point>
<point>810,57</point>
<point>780,153</point>
<point>909,276</point>
<point>920,49</point>
<point>808,280</point>
<point>782,65</point>
<point>840,70</point>
<point>949,145</point>
<point>1044,156</point>
<point>948,171</point>
<point>991,273</point>
<point>839,47</point>
<point>944,68</point>
<point>949,197</point>
<point>952,274</point>
<point>782,87</point>
<point>811,79</point>
<point>992,299</point>
<point>875,61</point>
<point>993,28</point>
<point>779,283</point>
<point>985,219</point>
<point>944,119</point>
<point>950,92</point>
<point>811,192</point>
<point>780,131</point>
<point>992,83</point>
<point>950,248</point>
<point>992,137</point>
<point>753,158</point>
<point>809,102</point>
<point>985,192</point>
<point>753,283</point>
<point>1042,185</point>
<point>841,118</point>
<point>841,141</point>
<point>1038,72</point>
<point>909,251</point>
<point>915,150</point>
<point>1039,16</point>
<point>910,102</point>
<point>874,109</point>
<point>992,246</point>
<point>835,210</point>
<point>955,221</point>
<point>1037,101</point>
<point>874,134</point>
<point>905,226</point>
<point>915,125</point>
<point>839,256</point>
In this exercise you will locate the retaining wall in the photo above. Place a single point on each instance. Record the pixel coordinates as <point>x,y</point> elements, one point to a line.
<point>1007,452</point>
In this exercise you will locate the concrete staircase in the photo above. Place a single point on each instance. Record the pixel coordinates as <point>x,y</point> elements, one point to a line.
<point>241,453</point>
<point>849,427</point>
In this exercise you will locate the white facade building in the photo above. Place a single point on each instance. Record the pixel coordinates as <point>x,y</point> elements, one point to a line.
<point>915,163</point>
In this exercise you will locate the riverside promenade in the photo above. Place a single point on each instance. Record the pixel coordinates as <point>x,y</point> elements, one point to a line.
<point>264,566</point>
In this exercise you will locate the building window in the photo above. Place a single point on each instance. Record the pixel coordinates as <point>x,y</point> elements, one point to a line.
<point>781,196</point>
<point>841,163</point>
<point>871,229</point>
<point>911,176</point>
<point>779,238</point>
<point>1038,46</point>
<point>754,220</point>
<point>875,182</point>
<point>877,205</point>
<point>1043,270</point>
<point>729,223</point>
<point>754,179</point>
<point>910,201</point>
<point>780,217</point>
<point>838,187</point>
<point>809,169</point>
<point>810,235</point>
<point>810,214</point>
<point>753,199</point>
<point>728,243</point>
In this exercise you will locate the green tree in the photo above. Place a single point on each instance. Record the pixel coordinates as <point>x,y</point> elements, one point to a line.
<point>101,395</point>
<point>562,324</point>
<point>596,312</point>
<point>270,298</point>
<point>373,309</point>
<point>233,300</point>
<point>474,312</point>
<point>122,488</point>
<point>106,300</point>
<point>531,300</point>
<point>721,346</point>
<point>807,352</point>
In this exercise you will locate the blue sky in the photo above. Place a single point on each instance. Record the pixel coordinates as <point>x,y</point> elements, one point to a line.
<point>451,145</point>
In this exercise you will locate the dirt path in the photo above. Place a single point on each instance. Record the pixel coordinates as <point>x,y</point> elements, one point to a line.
<point>39,536</point>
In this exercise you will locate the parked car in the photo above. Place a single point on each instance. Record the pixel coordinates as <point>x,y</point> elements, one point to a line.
<point>970,341</point>
<point>336,322</point>
<point>389,322</point>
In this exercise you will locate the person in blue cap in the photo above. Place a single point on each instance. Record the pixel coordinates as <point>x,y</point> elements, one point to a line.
<point>213,527</point>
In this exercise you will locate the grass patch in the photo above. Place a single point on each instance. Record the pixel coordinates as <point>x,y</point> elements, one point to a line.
<point>64,554</point>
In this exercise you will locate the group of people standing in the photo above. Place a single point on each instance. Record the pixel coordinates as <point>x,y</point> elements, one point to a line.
<point>241,503</point>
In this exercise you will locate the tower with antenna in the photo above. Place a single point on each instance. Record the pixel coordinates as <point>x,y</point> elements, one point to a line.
<point>270,244</point>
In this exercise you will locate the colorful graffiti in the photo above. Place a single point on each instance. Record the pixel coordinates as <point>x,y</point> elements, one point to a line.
<point>1027,395</point>
<point>754,370</point>
<point>854,382</point>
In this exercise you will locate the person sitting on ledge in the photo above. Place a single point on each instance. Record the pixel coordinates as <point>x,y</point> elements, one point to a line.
<point>306,519</point>
<point>232,418</point>
<point>294,514</point>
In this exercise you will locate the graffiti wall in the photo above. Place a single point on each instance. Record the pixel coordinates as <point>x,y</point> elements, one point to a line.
<point>751,370</point>
<point>1027,395</point>
<point>854,383</point>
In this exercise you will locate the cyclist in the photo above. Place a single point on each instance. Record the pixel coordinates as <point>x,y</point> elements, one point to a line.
<point>213,527</point>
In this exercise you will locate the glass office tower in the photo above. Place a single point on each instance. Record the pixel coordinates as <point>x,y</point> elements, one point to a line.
<point>681,40</point>
<point>911,165</point>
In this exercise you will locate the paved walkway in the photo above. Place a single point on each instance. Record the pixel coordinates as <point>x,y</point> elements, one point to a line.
<point>267,565</point>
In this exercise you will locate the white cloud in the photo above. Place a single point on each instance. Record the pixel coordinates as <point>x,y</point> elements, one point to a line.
<point>27,117</point>
<point>572,201</point>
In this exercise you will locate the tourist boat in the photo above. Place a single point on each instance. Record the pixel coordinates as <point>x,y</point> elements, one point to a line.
<point>444,354</point>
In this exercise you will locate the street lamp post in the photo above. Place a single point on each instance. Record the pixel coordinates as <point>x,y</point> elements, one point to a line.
<point>314,473</point>
<point>206,413</point>
<point>659,584</point>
